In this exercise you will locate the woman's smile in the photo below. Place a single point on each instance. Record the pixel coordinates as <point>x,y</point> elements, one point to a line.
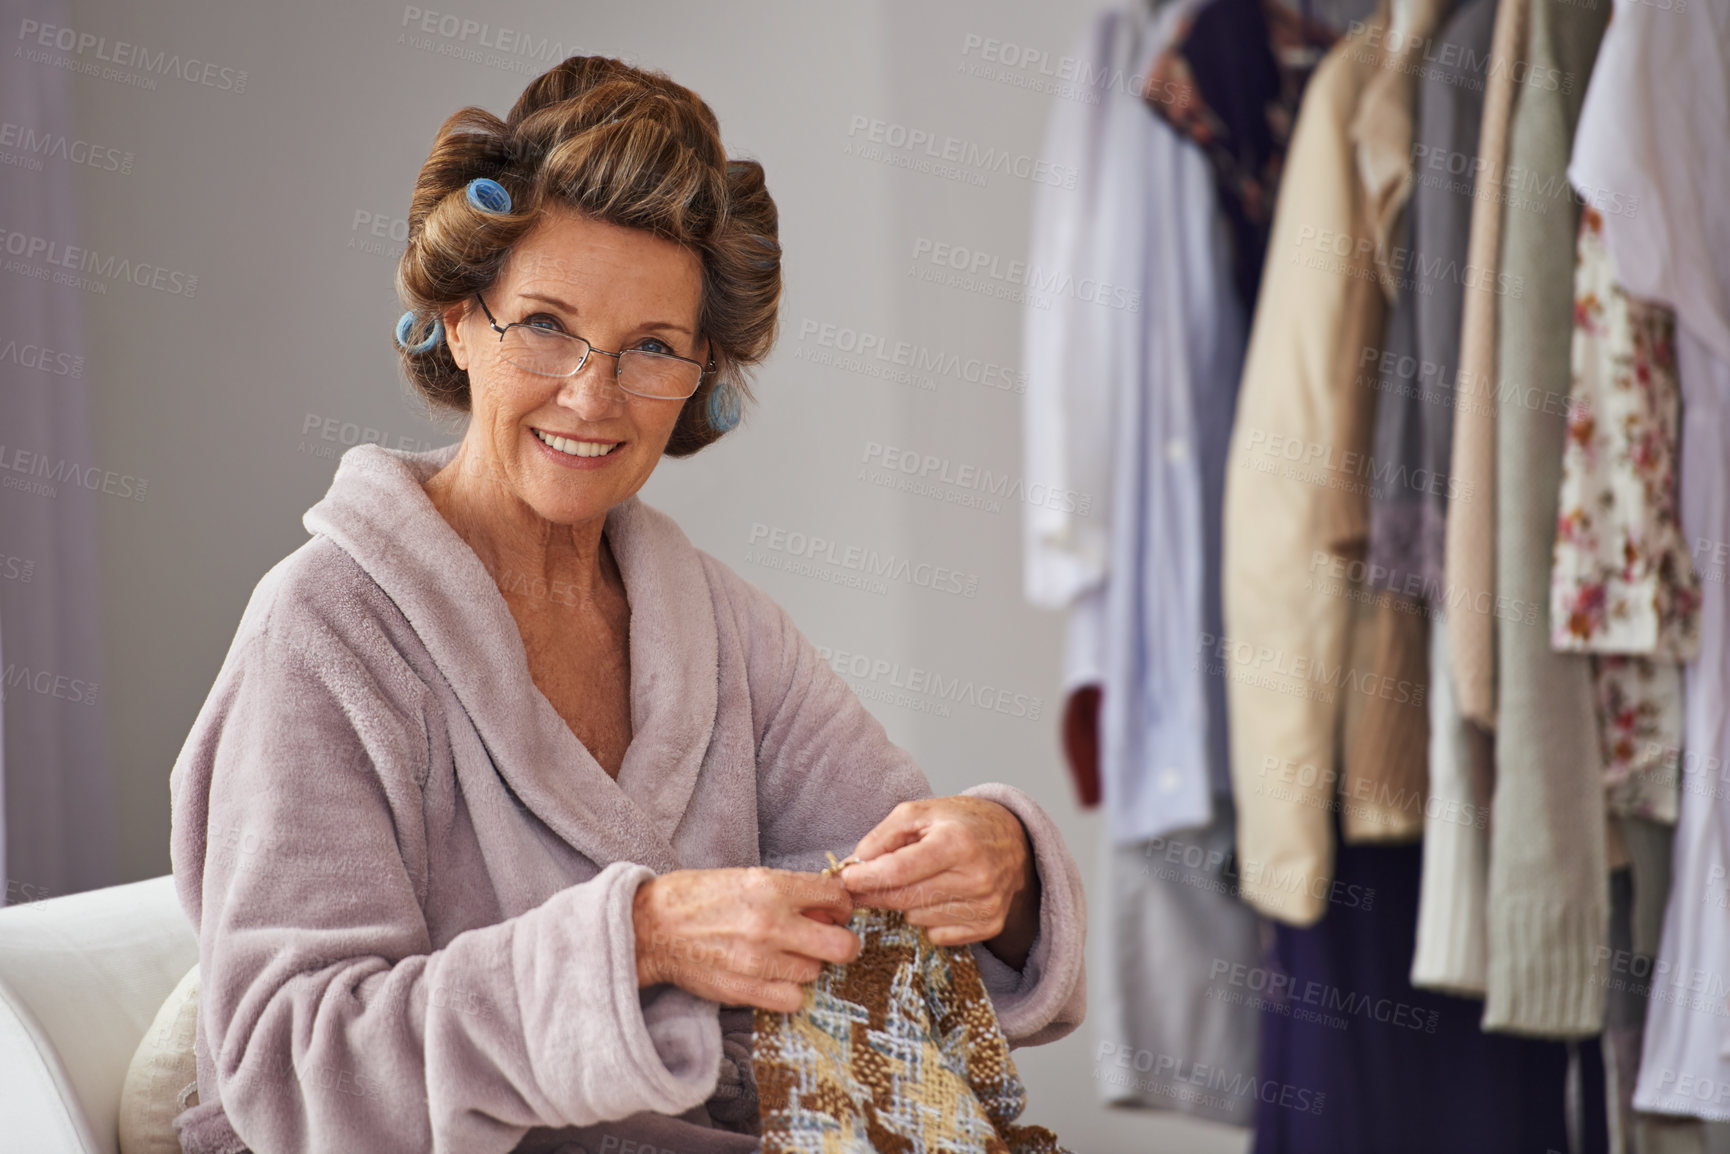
<point>576,452</point>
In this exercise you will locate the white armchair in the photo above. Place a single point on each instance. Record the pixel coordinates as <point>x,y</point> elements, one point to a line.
<point>81,978</point>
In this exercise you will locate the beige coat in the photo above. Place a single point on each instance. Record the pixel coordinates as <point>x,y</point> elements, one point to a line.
<point>1327,690</point>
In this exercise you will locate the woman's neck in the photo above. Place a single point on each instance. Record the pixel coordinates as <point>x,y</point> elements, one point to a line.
<point>524,552</point>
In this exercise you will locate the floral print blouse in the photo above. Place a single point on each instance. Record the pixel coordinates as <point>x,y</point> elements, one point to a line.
<point>1622,583</point>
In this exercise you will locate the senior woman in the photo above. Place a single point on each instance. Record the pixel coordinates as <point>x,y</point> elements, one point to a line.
<point>504,810</point>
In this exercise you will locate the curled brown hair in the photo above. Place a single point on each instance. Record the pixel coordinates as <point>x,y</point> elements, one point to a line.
<point>617,144</point>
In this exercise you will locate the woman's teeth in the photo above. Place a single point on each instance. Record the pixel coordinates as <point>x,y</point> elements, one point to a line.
<point>578,448</point>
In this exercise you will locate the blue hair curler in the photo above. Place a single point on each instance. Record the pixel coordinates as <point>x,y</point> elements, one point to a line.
<point>488,195</point>
<point>405,326</point>
<point>724,409</point>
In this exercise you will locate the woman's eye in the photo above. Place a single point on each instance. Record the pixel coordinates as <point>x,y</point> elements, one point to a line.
<point>652,345</point>
<point>544,322</point>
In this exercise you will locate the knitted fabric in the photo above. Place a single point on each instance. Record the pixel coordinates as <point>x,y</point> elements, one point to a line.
<point>898,1051</point>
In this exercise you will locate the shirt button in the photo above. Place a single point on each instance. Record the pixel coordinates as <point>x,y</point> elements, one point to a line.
<point>1177,450</point>
<point>1169,780</point>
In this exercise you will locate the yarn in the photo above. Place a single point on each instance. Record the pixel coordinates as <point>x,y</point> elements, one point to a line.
<point>898,1050</point>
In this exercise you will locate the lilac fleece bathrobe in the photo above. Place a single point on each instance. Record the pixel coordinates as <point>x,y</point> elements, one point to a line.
<point>412,884</point>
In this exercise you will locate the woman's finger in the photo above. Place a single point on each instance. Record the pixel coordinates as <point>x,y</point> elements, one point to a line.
<point>809,938</point>
<point>781,997</point>
<point>905,824</point>
<point>965,913</point>
<point>743,990</point>
<point>959,935</point>
<point>739,961</point>
<point>953,907</point>
<point>900,869</point>
<point>958,901</point>
<point>811,894</point>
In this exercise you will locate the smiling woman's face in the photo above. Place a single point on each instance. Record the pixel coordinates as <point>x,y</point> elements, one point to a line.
<point>618,288</point>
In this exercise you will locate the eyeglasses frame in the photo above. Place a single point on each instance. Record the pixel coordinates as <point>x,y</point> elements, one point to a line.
<point>703,371</point>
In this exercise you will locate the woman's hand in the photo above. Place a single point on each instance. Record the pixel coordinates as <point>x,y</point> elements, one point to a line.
<point>750,937</point>
<point>960,866</point>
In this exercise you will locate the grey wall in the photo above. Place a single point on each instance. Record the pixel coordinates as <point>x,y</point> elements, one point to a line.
<point>224,401</point>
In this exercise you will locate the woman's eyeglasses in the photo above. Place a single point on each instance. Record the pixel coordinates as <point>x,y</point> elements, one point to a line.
<point>549,352</point>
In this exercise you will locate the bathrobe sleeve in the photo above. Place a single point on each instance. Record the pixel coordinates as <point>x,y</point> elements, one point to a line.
<point>827,773</point>
<point>332,1023</point>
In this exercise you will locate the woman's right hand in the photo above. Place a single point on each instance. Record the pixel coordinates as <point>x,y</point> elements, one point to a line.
<point>750,937</point>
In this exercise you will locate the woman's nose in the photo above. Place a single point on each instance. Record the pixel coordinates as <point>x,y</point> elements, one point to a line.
<point>594,391</point>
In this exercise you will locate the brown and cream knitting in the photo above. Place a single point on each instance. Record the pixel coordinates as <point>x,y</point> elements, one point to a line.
<point>898,1050</point>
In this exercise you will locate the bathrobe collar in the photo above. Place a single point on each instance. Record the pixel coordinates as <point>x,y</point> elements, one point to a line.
<point>378,513</point>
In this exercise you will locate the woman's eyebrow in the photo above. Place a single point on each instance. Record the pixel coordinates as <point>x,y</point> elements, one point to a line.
<point>549,300</point>
<point>662,326</point>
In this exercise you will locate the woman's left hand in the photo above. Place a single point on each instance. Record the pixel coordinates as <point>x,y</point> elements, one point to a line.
<point>962,867</point>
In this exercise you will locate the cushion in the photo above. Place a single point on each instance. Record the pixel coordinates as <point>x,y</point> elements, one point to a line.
<point>163,1077</point>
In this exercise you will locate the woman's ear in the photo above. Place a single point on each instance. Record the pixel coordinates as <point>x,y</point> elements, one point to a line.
<point>455,335</point>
